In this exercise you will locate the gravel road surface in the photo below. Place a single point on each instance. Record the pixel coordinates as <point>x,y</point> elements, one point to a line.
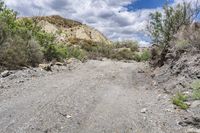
<point>96,97</point>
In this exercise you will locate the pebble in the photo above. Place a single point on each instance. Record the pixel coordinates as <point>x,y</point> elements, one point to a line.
<point>144,110</point>
<point>5,74</point>
<point>141,71</point>
<point>69,116</point>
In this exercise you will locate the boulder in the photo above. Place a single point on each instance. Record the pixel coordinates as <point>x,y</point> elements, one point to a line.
<point>46,67</point>
<point>5,74</point>
<point>59,64</point>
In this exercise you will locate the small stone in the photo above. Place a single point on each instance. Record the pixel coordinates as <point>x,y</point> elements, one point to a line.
<point>186,93</point>
<point>153,75</point>
<point>46,67</point>
<point>5,74</point>
<point>59,64</point>
<point>20,81</point>
<point>159,97</point>
<point>141,71</point>
<point>144,110</point>
<point>154,83</point>
<point>69,116</point>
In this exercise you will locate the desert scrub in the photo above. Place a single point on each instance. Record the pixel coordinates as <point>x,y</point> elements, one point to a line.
<point>77,53</point>
<point>19,53</point>
<point>133,45</point>
<point>145,56</point>
<point>196,90</point>
<point>179,100</point>
<point>94,50</point>
<point>23,43</point>
<point>123,54</point>
<point>142,56</point>
<point>55,52</point>
<point>182,44</point>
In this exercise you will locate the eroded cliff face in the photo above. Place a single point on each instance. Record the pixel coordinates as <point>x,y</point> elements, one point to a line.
<point>67,30</point>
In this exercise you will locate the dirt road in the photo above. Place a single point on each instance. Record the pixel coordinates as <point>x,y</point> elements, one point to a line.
<point>96,97</point>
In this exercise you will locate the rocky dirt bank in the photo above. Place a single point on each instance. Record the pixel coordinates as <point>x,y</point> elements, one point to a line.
<point>177,76</point>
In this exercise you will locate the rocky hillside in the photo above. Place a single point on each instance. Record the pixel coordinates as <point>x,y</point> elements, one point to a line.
<point>183,59</point>
<point>180,75</point>
<point>68,31</point>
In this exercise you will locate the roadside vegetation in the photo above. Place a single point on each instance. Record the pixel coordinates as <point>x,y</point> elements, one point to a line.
<point>164,28</point>
<point>179,99</point>
<point>196,90</point>
<point>175,32</point>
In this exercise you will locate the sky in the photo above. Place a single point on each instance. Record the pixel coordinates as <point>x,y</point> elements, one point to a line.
<point>117,19</point>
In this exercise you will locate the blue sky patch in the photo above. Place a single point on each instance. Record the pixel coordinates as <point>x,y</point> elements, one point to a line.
<point>146,4</point>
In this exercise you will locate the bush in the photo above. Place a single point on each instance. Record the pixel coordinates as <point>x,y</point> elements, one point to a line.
<point>76,53</point>
<point>179,100</point>
<point>133,45</point>
<point>164,25</point>
<point>94,50</point>
<point>196,94</point>
<point>142,56</point>
<point>196,90</point>
<point>145,56</point>
<point>123,55</point>
<point>18,52</point>
<point>196,85</point>
<point>137,57</point>
<point>23,43</point>
<point>35,55</point>
<point>182,44</point>
<point>55,52</point>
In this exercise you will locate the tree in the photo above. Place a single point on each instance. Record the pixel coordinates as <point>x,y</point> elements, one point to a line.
<point>164,25</point>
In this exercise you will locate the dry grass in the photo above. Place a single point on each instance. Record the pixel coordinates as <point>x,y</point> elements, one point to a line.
<point>59,21</point>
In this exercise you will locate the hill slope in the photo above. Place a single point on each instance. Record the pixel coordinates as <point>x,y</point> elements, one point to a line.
<point>68,31</point>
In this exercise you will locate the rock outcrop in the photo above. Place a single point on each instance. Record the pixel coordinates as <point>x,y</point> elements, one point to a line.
<point>68,31</point>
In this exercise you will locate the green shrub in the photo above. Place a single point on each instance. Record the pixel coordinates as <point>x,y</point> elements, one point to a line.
<point>196,95</point>
<point>76,53</point>
<point>55,52</point>
<point>164,25</point>
<point>179,100</point>
<point>94,49</point>
<point>182,44</point>
<point>137,56</point>
<point>133,45</point>
<point>196,85</point>
<point>35,54</point>
<point>145,56</point>
<point>18,52</point>
<point>142,56</point>
<point>24,43</point>
<point>123,55</point>
<point>196,90</point>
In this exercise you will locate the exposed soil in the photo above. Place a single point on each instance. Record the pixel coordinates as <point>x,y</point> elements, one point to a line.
<point>96,97</point>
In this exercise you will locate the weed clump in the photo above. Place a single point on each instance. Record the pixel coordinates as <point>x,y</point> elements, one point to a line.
<point>196,90</point>
<point>179,100</point>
